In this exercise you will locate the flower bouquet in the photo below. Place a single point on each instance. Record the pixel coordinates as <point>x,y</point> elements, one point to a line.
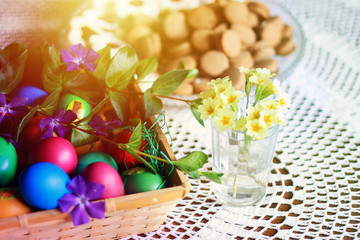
<point>78,137</point>
<point>244,132</point>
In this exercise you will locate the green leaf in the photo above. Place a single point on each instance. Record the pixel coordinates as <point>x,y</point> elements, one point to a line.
<point>181,65</point>
<point>94,111</point>
<point>133,153</point>
<point>193,73</point>
<point>24,121</point>
<point>121,68</point>
<point>213,176</point>
<point>194,174</point>
<point>153,105</point>
<point>265,93</point>
<point>194,109</point>
<point>167,83</point>
<point>191,162</point>
<point>79,137</point>
<point>120,105</point>
<point>13,50</point>
<point>146,67</point>
<point>12,72</point>
<point>51,102</point>
<point>103,63</point>
<point>135,139</point>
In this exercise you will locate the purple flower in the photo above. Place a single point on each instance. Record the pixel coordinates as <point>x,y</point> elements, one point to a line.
<point>81,204</point>
<point>102,127</point>
<point>57,123</point>
<point>16,106</point>
<point>80,58</point>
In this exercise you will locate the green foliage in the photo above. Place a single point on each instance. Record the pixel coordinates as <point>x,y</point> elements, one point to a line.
<point>24,121</point>
<point>153,105</point>
<point>167,83</point>
<point>81,137</point>
<point>146,66</point>
<point>103,63</point>
<point>121,68</point>
<point>50,103</point>
<point>135,139</point>
<point>12,64</point>
<point>120,105</point>
<point>194,109</point>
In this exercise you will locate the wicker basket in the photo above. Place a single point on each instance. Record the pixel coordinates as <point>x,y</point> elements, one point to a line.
<point>126,215</point>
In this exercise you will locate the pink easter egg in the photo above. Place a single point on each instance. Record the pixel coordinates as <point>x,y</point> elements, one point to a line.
<point>58,151</point>
<point>103,173</point>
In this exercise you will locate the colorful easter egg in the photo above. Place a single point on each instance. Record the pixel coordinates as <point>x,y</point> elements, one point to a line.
<point>92,157</point>
<point>123,158</point>
<point>31,133</point>
<point>58,151</point>
<point>8,162</point>
<point>76,104</point>
<point>105,174</point>
<point>141,179</point>
<point>11,203</point>
<point>43,184</point>
<point>34,95</point>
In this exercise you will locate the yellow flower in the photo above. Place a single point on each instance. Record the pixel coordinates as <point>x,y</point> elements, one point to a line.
<point>209,93</point>
<point>280,119</point>
<point>255,129</point>
<point>224,120</point>
<point>246,71</point>
<point>276,89</point>
<point>231,96</point>
<point>261,76</point>
<point>284,101</point>
<point>221,84</point>
<point>208,108</point>
<point>254,113</point>
<point>270,104</point>
<point>240,124</point>
<point>268,118</point>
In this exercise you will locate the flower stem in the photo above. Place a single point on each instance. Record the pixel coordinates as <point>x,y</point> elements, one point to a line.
<point>173,98</point>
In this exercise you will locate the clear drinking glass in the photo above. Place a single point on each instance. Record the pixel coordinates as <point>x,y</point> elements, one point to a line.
<point>245,163</point>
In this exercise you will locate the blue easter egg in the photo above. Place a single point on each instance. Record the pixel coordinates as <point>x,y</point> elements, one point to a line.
<point>43,184</point>
<point>35,95</point>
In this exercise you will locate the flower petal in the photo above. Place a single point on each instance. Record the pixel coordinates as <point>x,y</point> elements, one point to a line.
<point>72,66</point>
<point>48,133</point>
<point>2,99</point>
<point>61,130</point>
<point>78,50</point>
<point>96,209</point>
<point>66,56</point>
<point>90,66</point>
<point>97,123</point>
<point>68,117</point>
<point>91,56</point>
<point>18,102</point>
<point>78,186</point>
<point>58,113</point>
<point>79,215</point>
<point>44,122</point>
<point>94,191</point>
<point>67,202</point>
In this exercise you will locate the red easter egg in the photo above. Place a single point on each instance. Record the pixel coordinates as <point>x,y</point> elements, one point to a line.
<point>103,173</point>
<point>31,134</point>
<point>58,151</point>
<point>123,158</point>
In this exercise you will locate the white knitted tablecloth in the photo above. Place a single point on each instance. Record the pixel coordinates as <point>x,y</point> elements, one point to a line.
<point>314,191</point>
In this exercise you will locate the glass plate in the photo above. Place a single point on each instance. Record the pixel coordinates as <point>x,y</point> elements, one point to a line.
<point>287,64</point>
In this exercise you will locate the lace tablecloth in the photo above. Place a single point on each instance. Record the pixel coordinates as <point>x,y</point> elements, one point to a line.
<point>314,191</point>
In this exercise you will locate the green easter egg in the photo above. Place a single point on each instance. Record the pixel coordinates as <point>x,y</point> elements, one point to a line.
<point>76,104</point>
<point>92,157</point>
<point>8,162</point>
<point>141,179</point>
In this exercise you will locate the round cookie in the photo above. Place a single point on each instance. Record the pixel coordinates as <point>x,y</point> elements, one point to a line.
<point>270,64</point>
<point>185,88</point>
<point>229,43</point>
<point>202,17</point>
<point>285,47</point>
<point>264,53</point>
<point>271,31</point>
<point>259,9</point>
<point>179,49</point>
<point>201,84</point>
<point>138,32</point>
<point>149,45</point>
<point>247,34</point>
<point>244,59</point>
<point>236,12</point>
<point>201,40</point>
<point>237,78</point>
<point>213,63</point>
<point>175,27</point>
<point>286,31</point>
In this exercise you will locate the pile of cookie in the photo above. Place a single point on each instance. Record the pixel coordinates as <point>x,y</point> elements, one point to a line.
<point>216,38</point>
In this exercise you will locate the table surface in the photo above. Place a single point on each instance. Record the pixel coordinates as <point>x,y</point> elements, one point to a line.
<point>314,190</point>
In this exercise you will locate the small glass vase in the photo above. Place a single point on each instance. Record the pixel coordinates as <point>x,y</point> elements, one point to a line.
<point>245,164</point>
